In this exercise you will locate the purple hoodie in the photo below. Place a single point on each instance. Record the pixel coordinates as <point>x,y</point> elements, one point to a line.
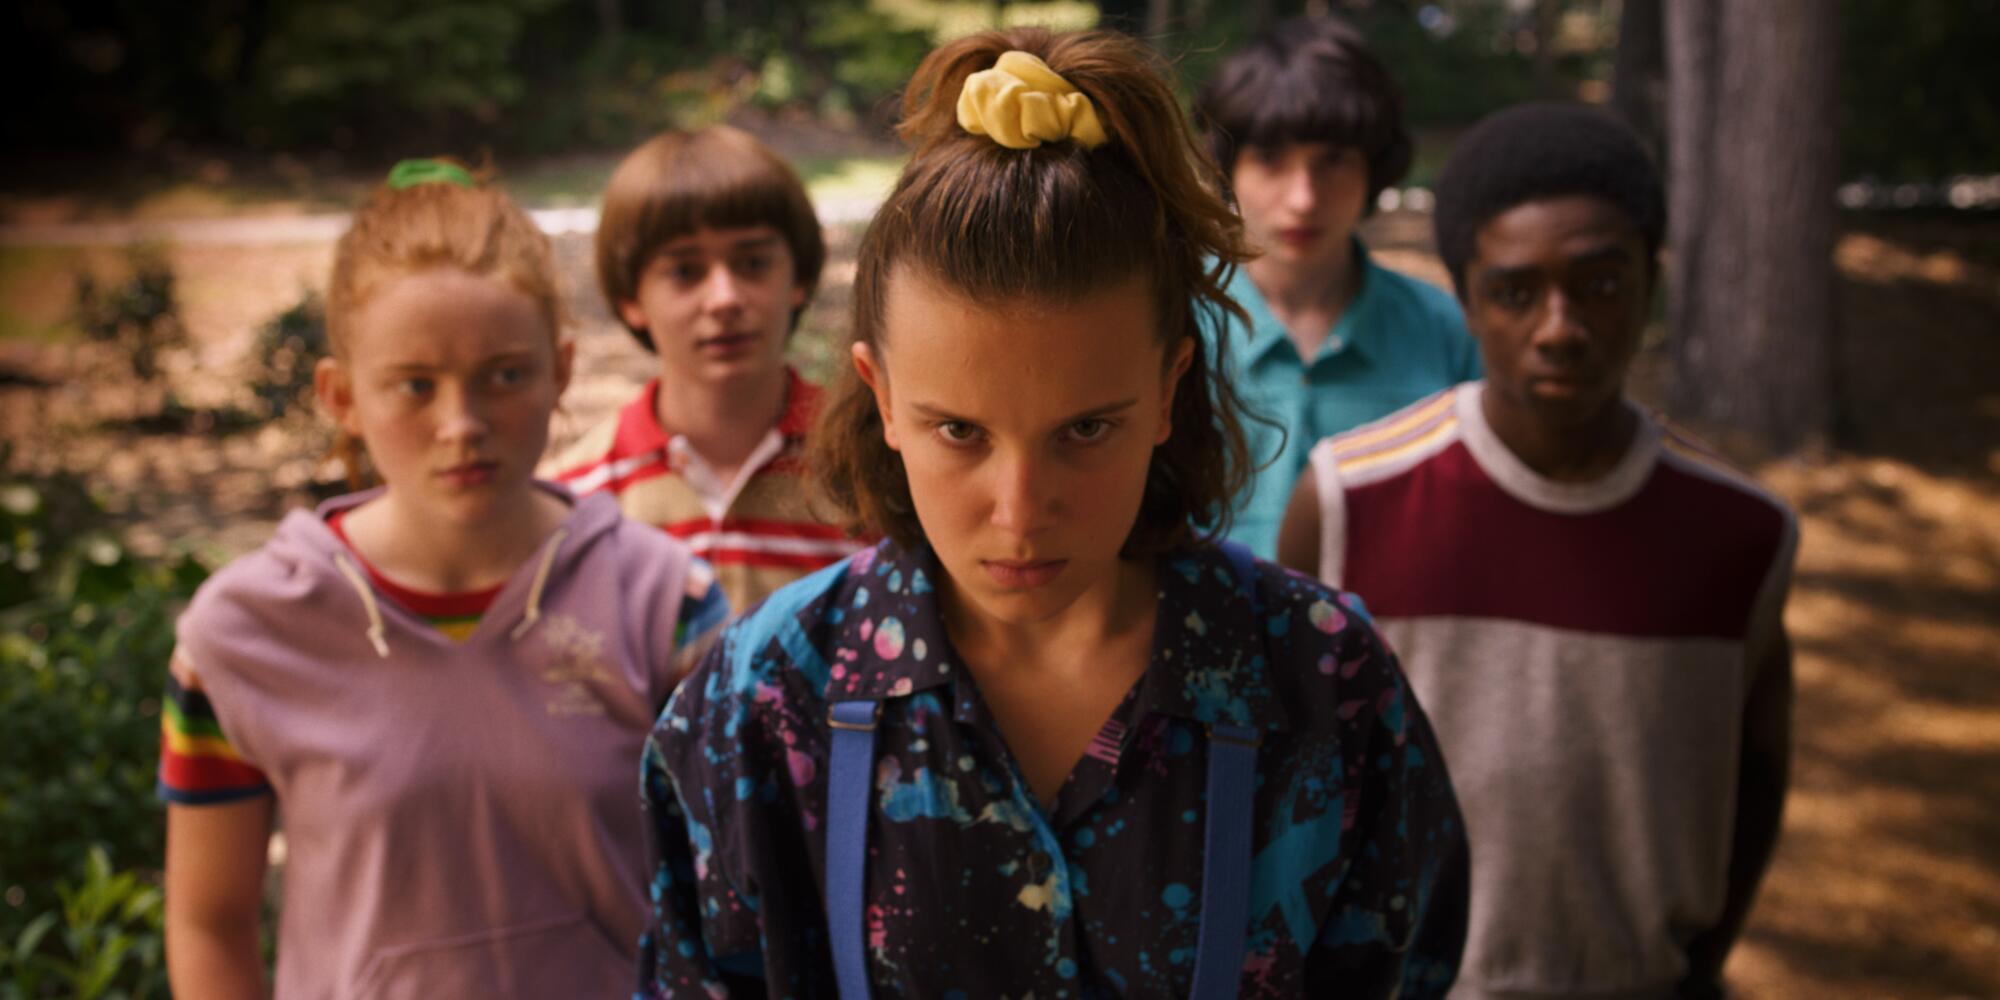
<point>462,819</point>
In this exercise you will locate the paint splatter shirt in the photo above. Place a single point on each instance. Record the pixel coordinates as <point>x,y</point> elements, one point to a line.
<point>973,888</point>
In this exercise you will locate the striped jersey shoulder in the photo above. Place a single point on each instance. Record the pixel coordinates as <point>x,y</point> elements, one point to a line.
<point>1396,442</point>
<point>603,459</point>
<point>585,458</point>
<point>1687,453</point>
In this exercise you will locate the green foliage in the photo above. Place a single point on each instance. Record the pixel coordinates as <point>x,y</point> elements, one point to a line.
<point>288,346</point>
<point>361,64</point>
<point>140,315</point>
<point>1458,77</point>
<point>453,75</point>
<point>86,629</point>
<point>1450,76</point>
<point>108,941</point>
<point>871,54</point>
<point>1920,88</point>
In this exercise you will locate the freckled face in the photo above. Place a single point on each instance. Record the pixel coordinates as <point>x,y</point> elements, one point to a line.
<point>448,378</point>
<point>1026,429</point>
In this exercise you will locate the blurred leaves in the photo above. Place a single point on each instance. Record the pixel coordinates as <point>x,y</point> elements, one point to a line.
<point>106,941</point>
<point>1920,88</point>
<point>138,314</point>
<point>86,628</point>
<point>288,347</point>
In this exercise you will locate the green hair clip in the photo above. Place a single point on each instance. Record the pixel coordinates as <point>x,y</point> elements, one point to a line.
<point>410,173</point>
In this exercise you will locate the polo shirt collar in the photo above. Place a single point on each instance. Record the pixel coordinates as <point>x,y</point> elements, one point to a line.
<point>640,431</point>
<point>1353,332</point>
<point>1208,661</point>
<point>801,406</point>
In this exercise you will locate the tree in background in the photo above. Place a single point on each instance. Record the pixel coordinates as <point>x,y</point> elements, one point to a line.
<point>1920,99</point>
<point>1639,72</point>
<point>1753,163</point>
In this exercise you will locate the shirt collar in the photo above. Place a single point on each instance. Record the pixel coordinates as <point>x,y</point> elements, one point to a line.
<point>640,431</point>
<point>1209,662</point>
<point>1352,332</point>
<point>801,405</point>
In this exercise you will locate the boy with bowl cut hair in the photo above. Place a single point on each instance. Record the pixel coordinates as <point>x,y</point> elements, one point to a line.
<point>1587,601</point>
<point>1307,129</point>
<point>708,251</point>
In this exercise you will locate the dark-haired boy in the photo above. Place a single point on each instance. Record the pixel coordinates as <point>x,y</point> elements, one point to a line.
<point>1307,128</point>
<point>1588,603</point>
<point>708,251</point>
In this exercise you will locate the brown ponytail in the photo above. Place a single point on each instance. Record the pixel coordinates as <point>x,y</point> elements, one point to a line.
<point>1053,224</point>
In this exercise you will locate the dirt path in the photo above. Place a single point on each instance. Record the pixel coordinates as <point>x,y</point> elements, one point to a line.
<point>1887,883</point>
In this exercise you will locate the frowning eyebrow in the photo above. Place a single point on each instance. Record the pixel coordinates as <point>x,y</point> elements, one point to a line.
<point>933,412</point>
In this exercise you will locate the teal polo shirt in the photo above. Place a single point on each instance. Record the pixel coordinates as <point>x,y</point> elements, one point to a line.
<point>1400,340</point>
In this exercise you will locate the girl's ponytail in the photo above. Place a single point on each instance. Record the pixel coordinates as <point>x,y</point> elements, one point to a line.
<point>1069,171</point>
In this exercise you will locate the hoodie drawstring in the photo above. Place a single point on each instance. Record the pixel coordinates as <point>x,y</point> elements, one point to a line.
<point>534,612</point>
<point>376,633</point>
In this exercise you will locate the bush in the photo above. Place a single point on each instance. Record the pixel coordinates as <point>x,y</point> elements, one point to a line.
<point>288,346</point>
<point>139,316</point>
<point>385,67</point>
<point>108,941</point>
<point>85,632</point>
<point>872,56</point>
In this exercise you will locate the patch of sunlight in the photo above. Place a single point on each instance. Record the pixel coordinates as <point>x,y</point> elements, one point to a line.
<point>949,19</point>
<point>38,292</point>
<point>837,178</point>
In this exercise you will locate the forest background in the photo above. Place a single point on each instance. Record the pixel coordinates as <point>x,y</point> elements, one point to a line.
<point>172,177</point>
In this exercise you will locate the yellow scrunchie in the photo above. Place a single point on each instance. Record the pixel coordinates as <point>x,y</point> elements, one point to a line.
<point>1021,103</point>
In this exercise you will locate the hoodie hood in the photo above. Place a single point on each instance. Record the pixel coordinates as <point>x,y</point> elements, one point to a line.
<point>305,546</point>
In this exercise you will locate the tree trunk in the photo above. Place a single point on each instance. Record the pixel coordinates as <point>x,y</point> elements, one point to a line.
<point>1159,15</point>
<point>1752,167</point>
<point>1639,71</point>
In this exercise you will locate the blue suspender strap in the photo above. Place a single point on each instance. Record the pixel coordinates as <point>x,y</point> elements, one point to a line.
<point>1225,866</point>
<point>1225,871</point>
<point>852,724</point>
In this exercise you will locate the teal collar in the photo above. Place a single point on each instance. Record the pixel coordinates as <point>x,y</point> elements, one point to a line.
<point>1351,333</point>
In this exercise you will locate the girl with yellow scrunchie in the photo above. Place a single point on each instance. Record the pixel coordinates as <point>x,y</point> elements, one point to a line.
<point>1048,737</point>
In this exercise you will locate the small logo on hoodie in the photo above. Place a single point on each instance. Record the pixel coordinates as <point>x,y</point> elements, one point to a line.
<point>576,666</point>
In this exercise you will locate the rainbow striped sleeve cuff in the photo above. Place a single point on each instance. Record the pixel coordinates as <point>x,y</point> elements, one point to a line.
<point>197,764</point>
